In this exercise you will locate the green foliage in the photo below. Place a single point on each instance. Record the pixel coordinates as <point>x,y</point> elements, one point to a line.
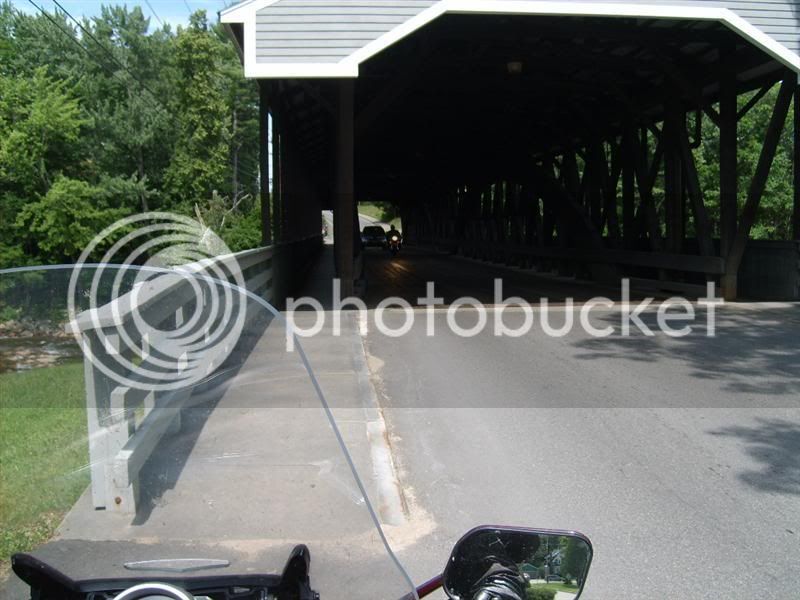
<point>122,119</point>
<point>198,166</point>
<point>540,593</point>
<point>39,122</point>
<point>574,559</point>
<point>775,210</point>
<point>69,215</point>
<point>243,231</point>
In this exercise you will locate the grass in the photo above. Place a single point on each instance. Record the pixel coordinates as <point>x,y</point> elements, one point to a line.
<point>43,453</point>
<point>557,587</point>
<point>376,212</point>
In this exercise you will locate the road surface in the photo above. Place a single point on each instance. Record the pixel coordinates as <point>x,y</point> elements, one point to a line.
<point>680,458</point>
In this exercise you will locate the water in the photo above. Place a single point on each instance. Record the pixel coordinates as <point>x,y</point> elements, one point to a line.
<point>24,353</point>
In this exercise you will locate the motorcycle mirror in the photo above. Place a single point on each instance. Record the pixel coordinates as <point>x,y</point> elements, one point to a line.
<point>514,563</point>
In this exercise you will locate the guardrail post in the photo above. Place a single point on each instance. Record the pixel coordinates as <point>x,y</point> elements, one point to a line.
<point>97,387</point>
<point>118,446</point>
<point>121,495</point>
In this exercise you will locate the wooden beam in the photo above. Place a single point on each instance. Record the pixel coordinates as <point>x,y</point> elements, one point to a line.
<point>754,100</point>
<point>759,181</point>
<point>673,178</point>
<point>393,91</point>
<point>316,94</point>
<point>796,166</point>
<point>610,216</point>
<point>277,165</point>
<point>728,158</point>
<point>568,210</point>
<point>712,114</point>
<point>263,162</point>
<point>597,169</point>
<point>345,202</point>
<point>711,265</point>
<point>645,180</point>
<point>628,187</point>
<point>701,223</point>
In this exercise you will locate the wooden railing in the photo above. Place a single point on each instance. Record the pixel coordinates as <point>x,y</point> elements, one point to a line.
<point>712,265</point>
<point>126,422</point>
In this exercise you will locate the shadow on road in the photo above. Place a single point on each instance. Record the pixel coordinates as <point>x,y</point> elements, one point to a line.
<point>775,444</point>
<point>753,351</point>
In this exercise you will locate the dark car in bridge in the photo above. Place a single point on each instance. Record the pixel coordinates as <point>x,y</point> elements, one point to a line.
<point>373,236</point>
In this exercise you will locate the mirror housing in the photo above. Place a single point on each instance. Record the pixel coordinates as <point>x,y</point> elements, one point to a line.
<point>511,563</point>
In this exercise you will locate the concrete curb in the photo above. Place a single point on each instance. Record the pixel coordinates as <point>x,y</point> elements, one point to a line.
<point>389,501</point>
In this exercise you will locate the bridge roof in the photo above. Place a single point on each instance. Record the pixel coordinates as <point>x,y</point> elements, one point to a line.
<point>330,38</point>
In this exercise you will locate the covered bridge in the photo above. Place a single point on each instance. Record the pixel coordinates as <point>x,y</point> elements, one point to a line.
<point>552,133</point>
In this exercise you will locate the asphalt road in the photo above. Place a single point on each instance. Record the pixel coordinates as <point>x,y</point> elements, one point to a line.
<point>679,458</point>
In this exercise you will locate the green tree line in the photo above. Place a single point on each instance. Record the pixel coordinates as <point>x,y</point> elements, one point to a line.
<point>106,117</point>
<point>774,219</point>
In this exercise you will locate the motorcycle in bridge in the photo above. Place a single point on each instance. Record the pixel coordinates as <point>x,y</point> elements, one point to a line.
<point>394,243</point>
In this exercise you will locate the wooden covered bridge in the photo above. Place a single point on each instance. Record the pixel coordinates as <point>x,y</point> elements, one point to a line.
<point>552,133</point>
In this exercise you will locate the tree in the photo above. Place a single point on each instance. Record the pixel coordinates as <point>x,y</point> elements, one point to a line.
<point>68,217</point>
<point>121,118</point>
<point>774,216</point>
<point>198,166</point>
<point>575,554</point>
<point>40,121</point>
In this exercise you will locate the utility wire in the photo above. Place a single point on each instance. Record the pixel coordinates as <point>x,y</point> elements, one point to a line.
<point>110,54</point>
<point>71,37</point>
<point>123,66</point>
<point>155,14</point>
<point>61,29</point>
<point>153,98</point>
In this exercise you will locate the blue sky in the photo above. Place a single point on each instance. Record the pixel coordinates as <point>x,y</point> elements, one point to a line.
<point>175,12</point>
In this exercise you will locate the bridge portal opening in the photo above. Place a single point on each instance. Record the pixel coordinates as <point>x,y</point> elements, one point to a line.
<point>559,143</point>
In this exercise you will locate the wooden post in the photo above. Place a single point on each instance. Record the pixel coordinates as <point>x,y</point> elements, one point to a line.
<point>345,213</point>
<point>277,167</point>
<point>728,156</point>
<point>498,210</point>
<point>610,216</point>
<point>796,142</point>
<point>595,180</point>
<point>759,181</point>
<point>628,192</point>
<point>645,180</point>
<point>701,223</point>
<point>673,179</point>
<point>288,185</point>
<point>263,162</point>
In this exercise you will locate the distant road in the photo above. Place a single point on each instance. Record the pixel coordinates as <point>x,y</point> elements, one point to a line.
<point>363,221</point>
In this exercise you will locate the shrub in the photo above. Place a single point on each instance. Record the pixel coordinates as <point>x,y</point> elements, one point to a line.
<point>538,593</point>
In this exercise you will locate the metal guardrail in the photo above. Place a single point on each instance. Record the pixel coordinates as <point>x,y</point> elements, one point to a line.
<point>127,422</point>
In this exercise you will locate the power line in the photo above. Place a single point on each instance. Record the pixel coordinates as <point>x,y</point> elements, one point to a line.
<point>155,14</point>
<point>61,29</point>
<point>110,54</point>
<point>153,97</point>
<point>189,8</point>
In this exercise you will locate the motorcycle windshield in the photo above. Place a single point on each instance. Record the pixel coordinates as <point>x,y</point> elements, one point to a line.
<point>164,412</point>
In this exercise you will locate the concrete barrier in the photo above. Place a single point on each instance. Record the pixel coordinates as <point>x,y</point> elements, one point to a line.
<point>126,423</point>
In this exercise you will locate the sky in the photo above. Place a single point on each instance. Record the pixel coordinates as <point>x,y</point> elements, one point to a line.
<point>175,12</point>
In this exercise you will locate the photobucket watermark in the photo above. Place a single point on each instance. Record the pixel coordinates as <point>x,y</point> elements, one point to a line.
<point>675,317</point>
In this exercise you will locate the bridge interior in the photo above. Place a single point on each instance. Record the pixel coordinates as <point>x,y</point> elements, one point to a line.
<point>557,143</point>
